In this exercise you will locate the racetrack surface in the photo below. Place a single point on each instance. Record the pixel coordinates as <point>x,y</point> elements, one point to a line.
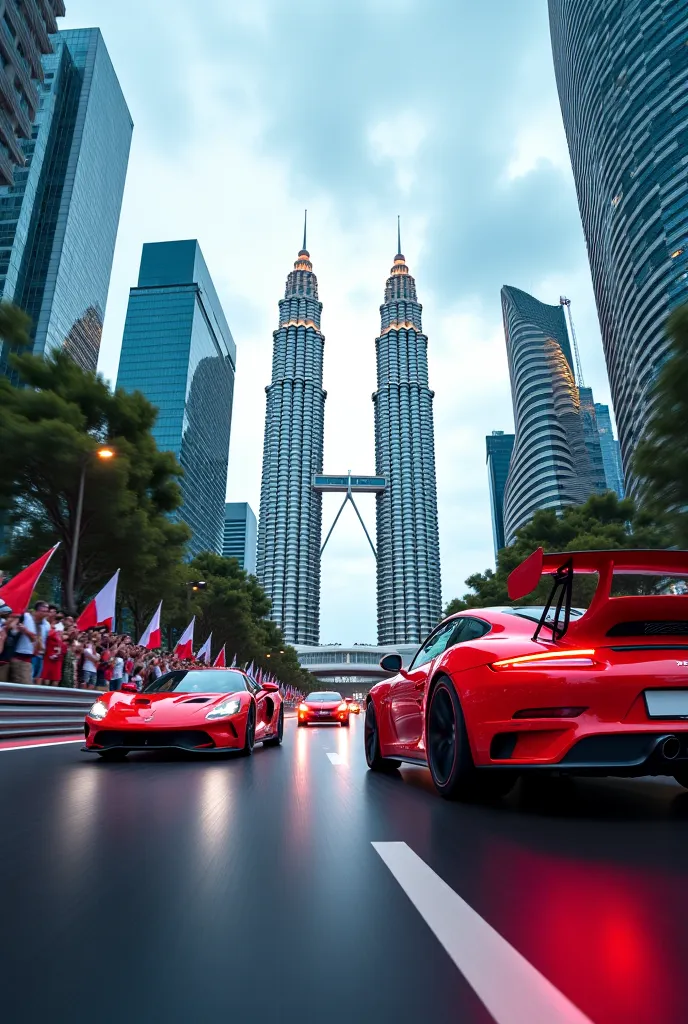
<point>177,889</point>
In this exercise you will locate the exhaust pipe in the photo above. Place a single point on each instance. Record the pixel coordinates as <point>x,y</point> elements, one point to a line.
<point>671,748</point>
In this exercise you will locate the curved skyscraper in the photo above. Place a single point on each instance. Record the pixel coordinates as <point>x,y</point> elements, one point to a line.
<point>288,563</point>
<point>550,466</point>
<point>409,597</point>
<point>622,73</point>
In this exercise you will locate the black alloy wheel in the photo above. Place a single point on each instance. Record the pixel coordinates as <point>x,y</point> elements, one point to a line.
<point>375,761</point>
<point>449,754</point>
<point>275,740</point>
<point>247,748</point>
<point>113,755</point>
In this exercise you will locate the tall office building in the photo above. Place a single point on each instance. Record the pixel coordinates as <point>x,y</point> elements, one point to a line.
<point>24,36</point>
<point>611,456</point>
<point>499,449</point>
<point>178,350</point>
<point>409,600</point>
<point>591,434</point>
<point>290,520</point>
<point>59,219</point>
<point>550,466</point>
<point>240,535</point>
<point>622,73</point>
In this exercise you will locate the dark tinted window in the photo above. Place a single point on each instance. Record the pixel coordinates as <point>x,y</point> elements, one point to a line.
<point>468,629</point>
<point>198,681</point>
<point>435,644</point>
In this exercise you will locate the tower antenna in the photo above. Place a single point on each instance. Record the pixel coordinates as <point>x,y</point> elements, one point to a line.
<point>563,301</point>
<point>399,233</point>
<point>305,225</point>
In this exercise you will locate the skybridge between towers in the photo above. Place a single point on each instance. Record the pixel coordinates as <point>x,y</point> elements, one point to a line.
<point>348,486</point>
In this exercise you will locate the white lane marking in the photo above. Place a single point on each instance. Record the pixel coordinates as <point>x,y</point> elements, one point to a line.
<point>511,988</point>
<point>338,759</point>
<point>36,746</point>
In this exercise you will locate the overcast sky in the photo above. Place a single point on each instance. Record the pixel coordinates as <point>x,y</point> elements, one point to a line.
<point>444,111</point>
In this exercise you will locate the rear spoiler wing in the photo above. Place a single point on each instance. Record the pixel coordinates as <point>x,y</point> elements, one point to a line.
<point>564,565</point>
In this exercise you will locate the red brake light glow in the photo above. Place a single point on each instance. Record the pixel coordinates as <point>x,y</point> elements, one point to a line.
<point>551,659</point>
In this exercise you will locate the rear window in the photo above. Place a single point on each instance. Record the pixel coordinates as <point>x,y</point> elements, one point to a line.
<point>323,695</point>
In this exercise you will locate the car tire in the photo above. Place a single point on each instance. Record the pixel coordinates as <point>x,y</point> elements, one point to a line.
<point>346,724</point>
<point>300,723</point>
<point>275,741</point>
<point>449,754</point>
<point>113,755</point>
<point>250,738</point>
<point>371,738</point>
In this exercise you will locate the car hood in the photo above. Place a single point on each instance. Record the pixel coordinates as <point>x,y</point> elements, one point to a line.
<point>162,708</point>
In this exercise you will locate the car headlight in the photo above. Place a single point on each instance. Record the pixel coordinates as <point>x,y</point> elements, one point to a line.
<point>225,708</point>
<point>98,711</point>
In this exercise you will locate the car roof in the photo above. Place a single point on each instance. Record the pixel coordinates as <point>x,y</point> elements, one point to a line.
<point>512,615</point>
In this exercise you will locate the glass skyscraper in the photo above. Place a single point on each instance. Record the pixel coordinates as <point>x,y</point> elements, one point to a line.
<point>622,74</point>
<point>240,535</point>
<point>550,465</point>
<point>59,220</point>
<point>290,519</point>
<point>591,433</point>
<point>499,448</point>
<point>24,36</point>
<point>611,456</point>
<point>178,350</point>
<point>409,598</point>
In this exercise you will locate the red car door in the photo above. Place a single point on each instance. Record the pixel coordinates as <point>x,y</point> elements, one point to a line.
<point>408,690</point>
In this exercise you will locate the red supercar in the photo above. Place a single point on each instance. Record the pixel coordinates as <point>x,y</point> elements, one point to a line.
<point>205,711</point>
<point>497,692</point>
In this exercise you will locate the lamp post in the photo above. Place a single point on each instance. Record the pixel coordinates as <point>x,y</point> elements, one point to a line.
<point>193,587</point>
<point>103,453</point>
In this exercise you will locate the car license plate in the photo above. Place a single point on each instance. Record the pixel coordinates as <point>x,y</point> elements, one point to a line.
<point>323,712</point>
<point>667,703</point>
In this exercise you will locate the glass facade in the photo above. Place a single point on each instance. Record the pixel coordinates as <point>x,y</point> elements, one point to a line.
<point>550,465</point>
<point>178,351</point>
<point>622,74</point>
<point>499,448</point>
<point>592,440</point>
<point>611,455</point>
<point>240,535</point>
<point>59,219</point>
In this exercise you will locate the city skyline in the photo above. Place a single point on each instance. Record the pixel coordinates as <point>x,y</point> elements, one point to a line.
<point>247,217</point>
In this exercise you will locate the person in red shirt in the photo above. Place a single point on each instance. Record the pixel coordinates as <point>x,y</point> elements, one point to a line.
<point>53,659</point>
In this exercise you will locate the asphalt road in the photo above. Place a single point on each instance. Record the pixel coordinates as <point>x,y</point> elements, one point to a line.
<point>163,889</point>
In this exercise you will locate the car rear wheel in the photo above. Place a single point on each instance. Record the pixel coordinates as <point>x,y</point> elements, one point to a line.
<point>250,739</point>
<point>374,759</point>
<point>449,754</point>
<point>275,740</point>
<point>113,755</point>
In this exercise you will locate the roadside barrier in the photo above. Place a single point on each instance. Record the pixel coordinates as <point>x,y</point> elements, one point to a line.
<point>42,710</point>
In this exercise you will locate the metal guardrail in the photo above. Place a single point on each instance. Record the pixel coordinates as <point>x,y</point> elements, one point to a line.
<point>42,710</point>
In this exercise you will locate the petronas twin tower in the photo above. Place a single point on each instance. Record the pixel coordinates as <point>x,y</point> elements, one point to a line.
<point>290,529</point>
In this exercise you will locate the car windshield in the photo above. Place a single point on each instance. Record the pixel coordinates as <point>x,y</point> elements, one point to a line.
<point>198,681</point>
<point>323,695</point>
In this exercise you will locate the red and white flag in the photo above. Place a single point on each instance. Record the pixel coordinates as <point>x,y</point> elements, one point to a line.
<point>17,593</point>
<point>220,661</point>
<point>204,653</point>
<point>184,648</point>
<point>152,637</point>
<point>101,610</point>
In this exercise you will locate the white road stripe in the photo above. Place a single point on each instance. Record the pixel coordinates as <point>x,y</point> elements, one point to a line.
<point>512,989</point>
<point>37,746</point>
<point>337,759</point>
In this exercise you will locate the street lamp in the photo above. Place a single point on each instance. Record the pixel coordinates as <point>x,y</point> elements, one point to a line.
<point>193,586</point>
<point>104,453</point>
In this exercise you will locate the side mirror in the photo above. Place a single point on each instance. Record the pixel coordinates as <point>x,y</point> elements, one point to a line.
<point>129,688</point>
<point>391,663</point>
<point>269,687</point>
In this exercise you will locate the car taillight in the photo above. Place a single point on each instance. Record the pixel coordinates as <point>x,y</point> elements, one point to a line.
<point>343,706</point>
<point>303,707</point>
<point>552,659</point>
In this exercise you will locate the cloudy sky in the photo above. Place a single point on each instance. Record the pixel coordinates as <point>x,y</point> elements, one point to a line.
<point>444,111</point>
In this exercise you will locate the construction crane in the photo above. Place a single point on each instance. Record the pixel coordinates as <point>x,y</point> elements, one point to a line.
<point>563,301</point>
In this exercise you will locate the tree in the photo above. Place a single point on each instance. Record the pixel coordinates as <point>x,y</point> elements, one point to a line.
<point>661,459</point>
<point>603,522</point>
<point>50,430</point>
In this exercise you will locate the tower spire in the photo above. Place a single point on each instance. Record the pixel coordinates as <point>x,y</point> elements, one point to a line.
<point>398,234</point>
<point>305,225</point>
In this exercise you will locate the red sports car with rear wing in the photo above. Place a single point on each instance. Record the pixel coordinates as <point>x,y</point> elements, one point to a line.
<point>205,711</point>
<point>497,692</point>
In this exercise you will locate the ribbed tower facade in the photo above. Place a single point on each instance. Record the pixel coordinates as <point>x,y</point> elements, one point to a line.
<point>409,600</point>
<point>622,74</point>
<point>288,562</point>
<point>550,466</point>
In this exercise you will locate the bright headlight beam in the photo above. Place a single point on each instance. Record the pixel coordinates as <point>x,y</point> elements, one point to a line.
<point>225,708</point>
<point>98,711</point>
